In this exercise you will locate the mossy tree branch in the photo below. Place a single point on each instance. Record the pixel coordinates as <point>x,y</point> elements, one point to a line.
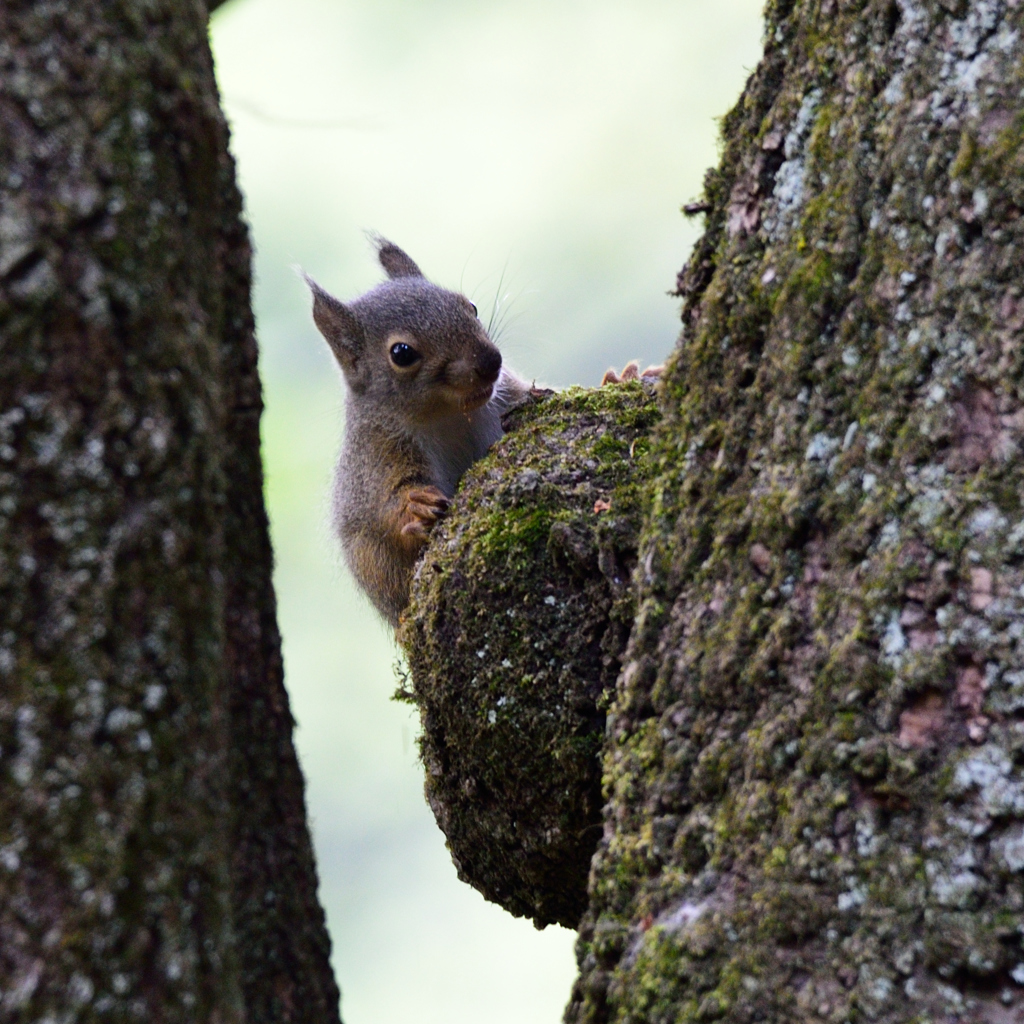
<point>521,608</point>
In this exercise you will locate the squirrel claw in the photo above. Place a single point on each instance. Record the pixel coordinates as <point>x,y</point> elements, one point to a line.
<point>424,506</point>
<point>631,371</point>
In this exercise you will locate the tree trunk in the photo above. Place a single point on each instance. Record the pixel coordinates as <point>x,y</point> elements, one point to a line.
<point>814,754</point>
<point>813,765</point>
<point>155,862</point>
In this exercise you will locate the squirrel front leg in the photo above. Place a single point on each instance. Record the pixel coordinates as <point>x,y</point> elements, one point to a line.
<point>419,508</point>
<point>382,549</point>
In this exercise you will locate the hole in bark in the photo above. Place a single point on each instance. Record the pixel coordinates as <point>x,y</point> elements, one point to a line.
<point>783,8</point>
<point>893,17</point>
<point>972,231</point>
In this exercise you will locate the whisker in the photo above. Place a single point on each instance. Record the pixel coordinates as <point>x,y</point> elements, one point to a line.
<point>505,321</point>
<point>498,297</point>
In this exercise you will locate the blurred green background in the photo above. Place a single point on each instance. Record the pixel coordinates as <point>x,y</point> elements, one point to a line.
<point>533,152</point>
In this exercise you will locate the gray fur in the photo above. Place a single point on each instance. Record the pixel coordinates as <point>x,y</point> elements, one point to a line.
<point>394,261</point>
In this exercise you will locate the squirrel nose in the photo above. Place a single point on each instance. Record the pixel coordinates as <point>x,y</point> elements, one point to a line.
<point>488,365</point>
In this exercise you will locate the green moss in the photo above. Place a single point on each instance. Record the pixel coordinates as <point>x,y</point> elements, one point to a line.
<point>521,530</point>
<point>965,156</point>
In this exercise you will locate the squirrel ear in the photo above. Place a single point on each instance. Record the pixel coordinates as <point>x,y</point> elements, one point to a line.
<point>337,323</point>
<point>394,260</point>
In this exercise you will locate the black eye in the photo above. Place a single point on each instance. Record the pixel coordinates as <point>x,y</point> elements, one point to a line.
<point>475,313</point>
<point>403,355</point>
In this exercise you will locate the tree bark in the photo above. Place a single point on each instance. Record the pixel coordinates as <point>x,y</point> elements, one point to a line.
<point>813,768</point>
<point>814,757</point>
<point>155,861</point>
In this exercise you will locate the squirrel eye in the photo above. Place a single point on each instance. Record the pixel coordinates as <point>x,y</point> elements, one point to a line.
<point>403,355</point>
<point>475,313</point>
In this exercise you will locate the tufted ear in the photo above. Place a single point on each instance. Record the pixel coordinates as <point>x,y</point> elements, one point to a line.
<point>394,260</point>
<point>337,323</point>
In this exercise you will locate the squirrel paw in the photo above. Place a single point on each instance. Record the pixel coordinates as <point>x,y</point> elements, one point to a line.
<point>424,506</point>
<point>631,371</point>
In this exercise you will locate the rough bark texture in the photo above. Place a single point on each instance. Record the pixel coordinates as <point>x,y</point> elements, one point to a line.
<point>814,758</point>
<point>814,761</point>
<point>511,669</point>
<point>154,857</point>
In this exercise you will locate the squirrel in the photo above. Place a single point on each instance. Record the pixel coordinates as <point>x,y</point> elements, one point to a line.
<point>426,389</point>
<point>426,392</point>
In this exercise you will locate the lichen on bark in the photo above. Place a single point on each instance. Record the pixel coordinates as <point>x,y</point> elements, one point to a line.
<point>520,612</point>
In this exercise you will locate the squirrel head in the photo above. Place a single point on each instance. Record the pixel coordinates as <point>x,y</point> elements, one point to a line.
<point>408,345</point>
